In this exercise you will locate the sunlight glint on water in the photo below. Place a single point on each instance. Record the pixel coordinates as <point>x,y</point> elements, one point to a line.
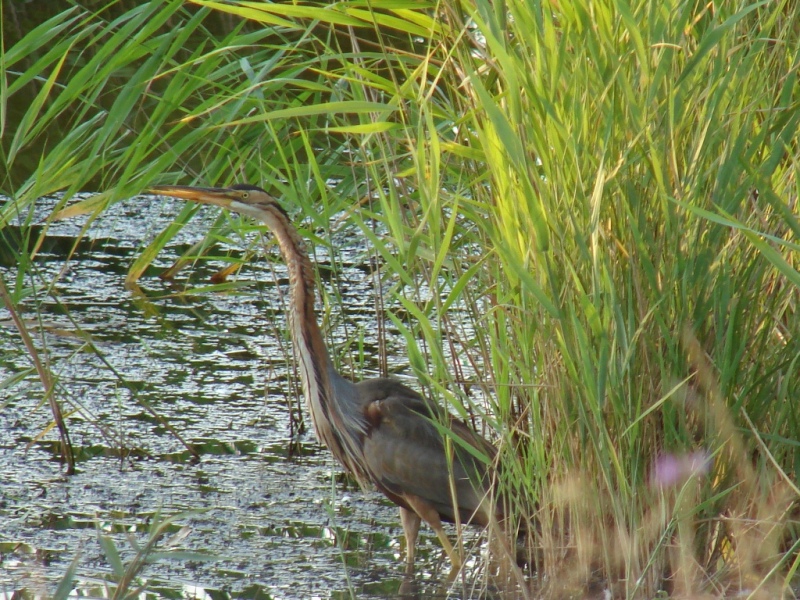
<point>212,364</point>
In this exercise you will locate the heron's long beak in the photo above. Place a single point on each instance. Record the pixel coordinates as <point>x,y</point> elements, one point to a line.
<point>218,196</point>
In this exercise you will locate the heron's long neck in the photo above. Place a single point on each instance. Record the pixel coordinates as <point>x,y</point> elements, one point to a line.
<point>337,420</point>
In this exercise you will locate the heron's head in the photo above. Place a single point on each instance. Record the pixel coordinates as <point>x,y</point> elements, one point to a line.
<point>242,198</point>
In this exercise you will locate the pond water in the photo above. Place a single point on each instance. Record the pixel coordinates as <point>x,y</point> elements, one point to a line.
<point>260,521</point>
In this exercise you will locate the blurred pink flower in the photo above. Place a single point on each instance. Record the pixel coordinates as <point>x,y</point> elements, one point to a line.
<point>672,469</point>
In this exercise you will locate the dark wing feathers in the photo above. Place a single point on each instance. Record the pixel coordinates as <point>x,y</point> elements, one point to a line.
<point>405,451</point>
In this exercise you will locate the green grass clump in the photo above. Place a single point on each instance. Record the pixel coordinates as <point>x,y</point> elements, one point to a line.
<point>587,214</point>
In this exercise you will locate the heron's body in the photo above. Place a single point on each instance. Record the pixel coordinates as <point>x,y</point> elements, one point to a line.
<point>381,431</point>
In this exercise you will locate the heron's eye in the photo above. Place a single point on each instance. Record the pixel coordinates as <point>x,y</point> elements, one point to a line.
<point>245,195</point>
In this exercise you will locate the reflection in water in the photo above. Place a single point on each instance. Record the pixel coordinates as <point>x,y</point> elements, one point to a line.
<point>217,367</point>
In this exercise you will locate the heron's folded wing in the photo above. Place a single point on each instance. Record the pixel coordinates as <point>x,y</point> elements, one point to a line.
<point>406,454</point>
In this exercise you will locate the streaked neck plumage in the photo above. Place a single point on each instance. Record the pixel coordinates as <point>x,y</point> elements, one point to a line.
<point>332,400</point>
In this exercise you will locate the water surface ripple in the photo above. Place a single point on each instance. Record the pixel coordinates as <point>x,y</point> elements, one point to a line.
<point>217,367</point>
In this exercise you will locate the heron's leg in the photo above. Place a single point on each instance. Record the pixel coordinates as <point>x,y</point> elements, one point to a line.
<point>411,522</point>
<point>431,516</point>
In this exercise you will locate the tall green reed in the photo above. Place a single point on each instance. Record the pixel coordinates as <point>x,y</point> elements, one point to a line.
<point>641,161</point>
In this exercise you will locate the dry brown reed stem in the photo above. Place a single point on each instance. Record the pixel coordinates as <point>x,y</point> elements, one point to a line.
<point>754,519</point>
<point>67,454</point>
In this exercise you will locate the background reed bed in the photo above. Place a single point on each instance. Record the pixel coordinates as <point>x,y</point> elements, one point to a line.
<point>605,193</point>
